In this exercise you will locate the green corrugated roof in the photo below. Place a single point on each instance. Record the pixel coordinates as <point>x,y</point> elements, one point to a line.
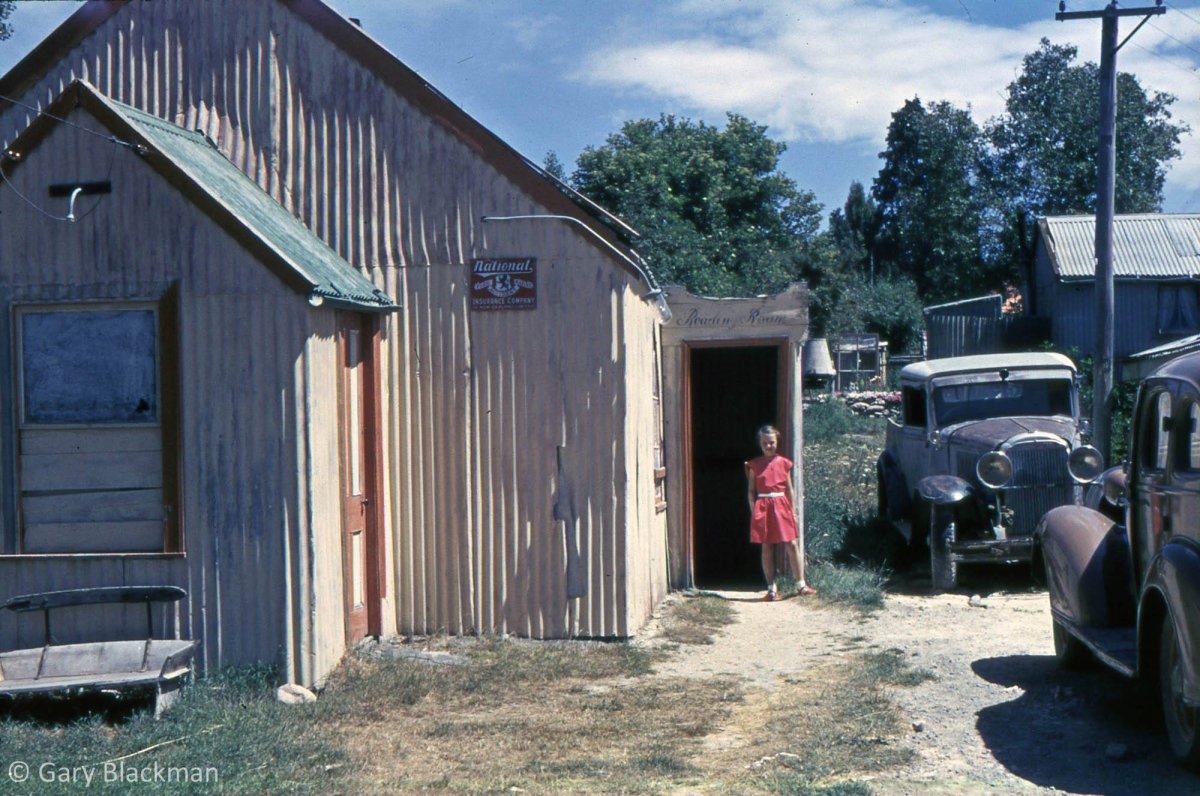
<point>327,274</point>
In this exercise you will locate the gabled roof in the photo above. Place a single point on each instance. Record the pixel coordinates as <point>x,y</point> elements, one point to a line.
<point>220,189</point>
<point>609,231</point>
<point>1153,246</point>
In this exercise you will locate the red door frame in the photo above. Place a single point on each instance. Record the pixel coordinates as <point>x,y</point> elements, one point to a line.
<point>364,508</point>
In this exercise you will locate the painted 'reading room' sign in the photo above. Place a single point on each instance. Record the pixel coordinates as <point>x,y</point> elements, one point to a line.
<point>504,283</point>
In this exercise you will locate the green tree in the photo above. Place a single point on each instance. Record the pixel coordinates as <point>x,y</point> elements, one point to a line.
<point>1045,142</point>
<point>1043,158</point>
<point>6,9</point>
<point>715,213</point>
<point>930,201</point>
<point>853,229</point>
<point>554,166</point>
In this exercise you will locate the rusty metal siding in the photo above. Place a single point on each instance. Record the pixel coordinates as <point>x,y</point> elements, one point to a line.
<point>244,412</point>
<point>476,405</point>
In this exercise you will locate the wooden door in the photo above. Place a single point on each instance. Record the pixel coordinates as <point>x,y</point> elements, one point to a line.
<point>360,545</point>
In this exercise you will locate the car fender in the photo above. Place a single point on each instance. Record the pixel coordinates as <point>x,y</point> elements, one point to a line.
<point>1088,571</point>
<point>1175,575</point>
<point>894,484</point>
<point>944,490</point>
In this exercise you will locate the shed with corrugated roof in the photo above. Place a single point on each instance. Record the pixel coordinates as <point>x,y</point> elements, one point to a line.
<point>1156,266</point>
<point>492,466</point>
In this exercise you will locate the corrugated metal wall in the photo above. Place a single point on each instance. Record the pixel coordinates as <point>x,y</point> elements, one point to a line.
<point>255,404</point>
<point>475,406</point>
<point>1073,318</point>
<point>963,335</point>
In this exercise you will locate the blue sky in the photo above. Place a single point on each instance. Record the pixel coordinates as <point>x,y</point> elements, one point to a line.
<point>824,75</point>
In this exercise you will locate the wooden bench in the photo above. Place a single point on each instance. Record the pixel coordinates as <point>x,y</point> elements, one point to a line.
<point>125,665</point>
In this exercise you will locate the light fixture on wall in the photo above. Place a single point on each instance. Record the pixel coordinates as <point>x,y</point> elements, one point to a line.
<point>74,190</point>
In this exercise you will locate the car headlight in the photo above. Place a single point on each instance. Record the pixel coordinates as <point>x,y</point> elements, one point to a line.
<point>994,469</point>
<point>1085,464</point>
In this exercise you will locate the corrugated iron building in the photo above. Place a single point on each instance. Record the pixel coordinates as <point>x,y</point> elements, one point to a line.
<point>1156,265</point>
<point>518,447</point>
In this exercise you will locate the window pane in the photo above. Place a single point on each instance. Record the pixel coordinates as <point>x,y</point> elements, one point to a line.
<point>1163,438</point>
<point>1193,437</point>
<point>354,374</point>
<point>89,366</point>
<point>914,407</point>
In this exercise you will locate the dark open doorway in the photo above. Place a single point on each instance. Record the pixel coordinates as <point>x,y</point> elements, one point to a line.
<point>733,390</point>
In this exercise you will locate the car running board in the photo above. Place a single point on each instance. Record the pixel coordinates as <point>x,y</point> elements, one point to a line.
<point>1116,647</point>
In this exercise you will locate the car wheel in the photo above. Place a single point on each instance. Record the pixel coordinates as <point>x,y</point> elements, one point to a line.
<point>942,568</point>
<point>1182,720</point>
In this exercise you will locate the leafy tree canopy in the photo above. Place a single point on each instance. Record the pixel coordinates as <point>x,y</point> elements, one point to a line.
<point>1045,142</point>
<point>853,229</point>
<point>929,200</point>
<point>715,213</point>
<point>6,9</point>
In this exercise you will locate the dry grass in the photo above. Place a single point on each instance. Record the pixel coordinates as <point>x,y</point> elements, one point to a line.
<point>819,733</point>
<point>559,717</point>
<point>544,718</point>
<point>695,618</point>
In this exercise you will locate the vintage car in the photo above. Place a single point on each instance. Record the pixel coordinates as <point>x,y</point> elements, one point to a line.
<point>981,452</point>
<point>1123,572</point>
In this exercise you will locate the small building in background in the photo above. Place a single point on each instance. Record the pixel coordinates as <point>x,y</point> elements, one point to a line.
<point>860,361</point>
<point>1156,265</point>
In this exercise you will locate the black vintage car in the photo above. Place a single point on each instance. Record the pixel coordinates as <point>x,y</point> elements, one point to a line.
<point>1124,570</point>
<point>980,453</point>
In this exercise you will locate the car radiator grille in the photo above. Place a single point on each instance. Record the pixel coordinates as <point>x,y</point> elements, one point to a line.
<point>1040,482</point>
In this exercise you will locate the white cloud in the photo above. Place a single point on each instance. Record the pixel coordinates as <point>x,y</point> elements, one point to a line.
<point>530,31</point>
<point>835,70</point>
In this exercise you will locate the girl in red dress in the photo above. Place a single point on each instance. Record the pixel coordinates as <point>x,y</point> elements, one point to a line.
<point>772,512</point>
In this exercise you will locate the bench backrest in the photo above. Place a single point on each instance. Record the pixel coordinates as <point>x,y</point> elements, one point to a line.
<point>48,601</point>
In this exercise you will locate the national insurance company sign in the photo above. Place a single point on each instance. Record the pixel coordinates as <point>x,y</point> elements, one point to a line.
<point>504,283</point>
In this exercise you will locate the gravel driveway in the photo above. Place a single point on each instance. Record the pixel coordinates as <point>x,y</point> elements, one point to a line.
<point>999,717</point>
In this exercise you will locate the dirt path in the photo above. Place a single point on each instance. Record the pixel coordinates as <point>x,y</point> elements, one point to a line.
<point>999,717</point>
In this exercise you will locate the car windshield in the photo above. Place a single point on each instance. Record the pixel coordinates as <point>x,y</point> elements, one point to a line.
<point>958,403</point>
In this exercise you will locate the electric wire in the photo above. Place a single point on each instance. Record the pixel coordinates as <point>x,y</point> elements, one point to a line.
<point>1191,70</point>
<point>79,217</point>
<point>26,199</point>
<point>1175,39</point>
<point>1182,13</point>
<point>40,112</point>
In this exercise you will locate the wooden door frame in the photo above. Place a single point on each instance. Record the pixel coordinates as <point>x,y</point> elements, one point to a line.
<point>374,569</point>
<point>783,380</point>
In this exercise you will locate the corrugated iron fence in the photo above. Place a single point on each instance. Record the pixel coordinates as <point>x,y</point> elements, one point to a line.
<point>960,335</point>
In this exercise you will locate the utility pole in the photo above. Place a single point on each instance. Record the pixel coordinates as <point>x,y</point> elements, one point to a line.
<point>1106,161</point>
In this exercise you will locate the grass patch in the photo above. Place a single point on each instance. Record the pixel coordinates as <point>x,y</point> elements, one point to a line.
<point>517,718</point>
<point>857,586</point>
<point>226,730</point>
<point>850,553</point>
<point>830,421</point>
<point>544,717</point>
<point>838,723</point>
<point>695,618</point>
